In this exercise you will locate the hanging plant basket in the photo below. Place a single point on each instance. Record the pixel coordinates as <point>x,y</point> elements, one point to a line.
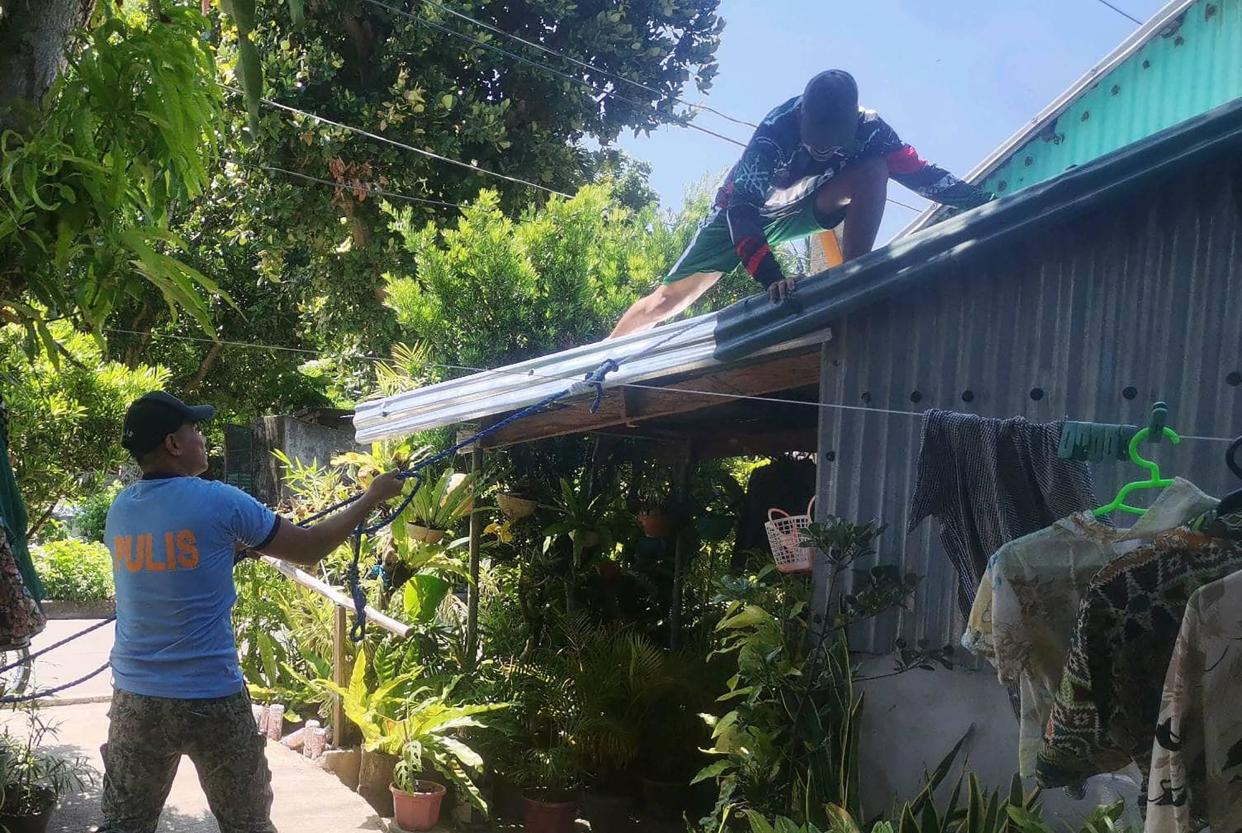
<point>656,523</point>
<point>424,534</point>
<point>515,508</point>
<point>785,537</point>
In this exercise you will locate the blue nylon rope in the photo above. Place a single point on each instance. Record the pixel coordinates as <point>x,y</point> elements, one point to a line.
<point>593,382</point>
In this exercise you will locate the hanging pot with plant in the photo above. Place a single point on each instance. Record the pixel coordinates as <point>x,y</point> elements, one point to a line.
<point>439,505</point>
<point>515,507</point>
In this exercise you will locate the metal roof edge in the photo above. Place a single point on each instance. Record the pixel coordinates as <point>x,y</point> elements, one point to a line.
<point>748,326</point>
<point>1135,41</point>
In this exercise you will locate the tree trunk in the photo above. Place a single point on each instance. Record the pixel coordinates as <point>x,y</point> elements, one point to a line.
<point>34,37</point>
<point>209,361</point>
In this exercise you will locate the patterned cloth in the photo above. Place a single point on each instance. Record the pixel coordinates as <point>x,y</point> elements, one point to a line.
<point>20,616</point>
<point>777,174</point>
<point>1196,762</point>
<point>1107,707</point>
<point>1028,600</point>
<point>990,481</point>
<point>147,737</point>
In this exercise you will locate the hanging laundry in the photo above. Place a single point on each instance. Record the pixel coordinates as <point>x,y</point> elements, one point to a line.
<point>1024,613</point>
<point>1196,762</point>
<point>989,482</point>
<point>1107,706</point>
<point>13,514</point>
<point>21,619</point>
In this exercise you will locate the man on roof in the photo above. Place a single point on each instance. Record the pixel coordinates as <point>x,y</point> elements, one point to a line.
<point>815,161</point>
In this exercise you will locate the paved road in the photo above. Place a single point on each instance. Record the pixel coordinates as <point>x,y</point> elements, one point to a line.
<point>308,800</point>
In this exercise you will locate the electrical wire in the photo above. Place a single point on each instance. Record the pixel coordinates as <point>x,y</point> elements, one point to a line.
<point>564,75</point>
<point>1121,12</point>
<point>585,65</point>
<point>381,138</point>
<point>379,192</point>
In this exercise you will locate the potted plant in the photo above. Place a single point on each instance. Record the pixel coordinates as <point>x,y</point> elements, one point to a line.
<point>550,783</point>
<point>439,505</point>
<point>581,517</point>
<point>515,501</point>
<point>656,517</point>
<point>32,781</point>
<point>416,802</point>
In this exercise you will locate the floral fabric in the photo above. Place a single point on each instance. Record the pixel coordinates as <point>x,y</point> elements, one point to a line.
<point>1196,761</point>
<point>1028,599</point>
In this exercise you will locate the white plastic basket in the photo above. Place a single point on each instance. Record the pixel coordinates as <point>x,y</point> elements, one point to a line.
<point>785,537</point>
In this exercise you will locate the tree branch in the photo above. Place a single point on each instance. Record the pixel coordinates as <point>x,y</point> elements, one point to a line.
<point>209,361</point>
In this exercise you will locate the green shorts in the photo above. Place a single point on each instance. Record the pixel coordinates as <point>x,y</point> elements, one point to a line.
<point>711,249</point>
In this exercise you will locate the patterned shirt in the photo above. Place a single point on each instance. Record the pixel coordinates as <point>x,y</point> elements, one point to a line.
<point>1028,600</point>
<point>1196,762</point>
<point>777,173</point>
<point>1107,707</point>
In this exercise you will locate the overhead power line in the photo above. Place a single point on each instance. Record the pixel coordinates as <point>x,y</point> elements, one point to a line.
<point>1121,12</point>
<point>581,82</point>
<point>381,138</point>
<point>379,192</point>
<point>583,64</point>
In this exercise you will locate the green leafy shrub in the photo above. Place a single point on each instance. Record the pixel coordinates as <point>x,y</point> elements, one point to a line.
<point>74,570</point>
<point>93,513</point>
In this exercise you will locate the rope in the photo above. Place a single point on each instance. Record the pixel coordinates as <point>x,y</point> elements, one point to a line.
<point>344,186</point>
<point>48,692</point>
<point>65,641</point>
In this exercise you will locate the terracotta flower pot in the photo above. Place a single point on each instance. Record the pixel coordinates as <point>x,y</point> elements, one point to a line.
<point>610,570</point>
<point>515,508</point>
<point>419,810</point>
<point>656,524</point>
<point>542,816</point>
<point>425,535</point>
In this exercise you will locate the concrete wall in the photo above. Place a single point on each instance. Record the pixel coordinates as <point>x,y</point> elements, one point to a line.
<point>911,721</point>
<point>249,460</point>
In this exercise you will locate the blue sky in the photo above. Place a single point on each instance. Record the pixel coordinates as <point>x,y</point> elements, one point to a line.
<point>955,78</point>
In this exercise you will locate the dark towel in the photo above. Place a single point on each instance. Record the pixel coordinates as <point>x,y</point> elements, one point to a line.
<point>989,481</point>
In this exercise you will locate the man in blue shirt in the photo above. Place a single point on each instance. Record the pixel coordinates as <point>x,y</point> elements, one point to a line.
<point>178,685</point>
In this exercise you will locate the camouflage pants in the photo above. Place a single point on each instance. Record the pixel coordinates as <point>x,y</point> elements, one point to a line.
<point>146,739</point>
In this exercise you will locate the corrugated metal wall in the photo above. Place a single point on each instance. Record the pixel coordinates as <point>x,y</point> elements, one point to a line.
<point>1146,296</point>
<point>1190,68</point>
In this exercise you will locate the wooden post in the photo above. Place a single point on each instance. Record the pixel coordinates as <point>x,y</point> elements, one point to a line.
<point>472,592</point>
<point>681,488</point>
<point>340,633</point>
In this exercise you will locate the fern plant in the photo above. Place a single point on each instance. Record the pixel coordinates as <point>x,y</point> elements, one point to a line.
<point>442,503</point>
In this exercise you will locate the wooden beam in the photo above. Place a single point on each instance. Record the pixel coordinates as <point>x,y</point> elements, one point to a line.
<point>633,405</point>
<point>472,592</point>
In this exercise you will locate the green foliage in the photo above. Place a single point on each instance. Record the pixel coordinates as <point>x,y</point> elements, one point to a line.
<point>93,512</point>
<point>494,290</point>
<point>430,728</point>
<point>89,193</point>
<point>65,421</point>
<point>789,744</point>
<point>74,571</point>
<point>32,778</point>
<point>441,503</point>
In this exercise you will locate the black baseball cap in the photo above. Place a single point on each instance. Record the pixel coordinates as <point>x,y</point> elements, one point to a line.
<point>830,110</point>
<point>154,416</point>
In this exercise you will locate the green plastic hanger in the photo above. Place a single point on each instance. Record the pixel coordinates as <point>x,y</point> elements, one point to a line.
<point>1153,482</point>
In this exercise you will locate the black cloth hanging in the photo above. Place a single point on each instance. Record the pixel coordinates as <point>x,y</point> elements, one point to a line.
<point>786,483</point>
<point>989,481</point>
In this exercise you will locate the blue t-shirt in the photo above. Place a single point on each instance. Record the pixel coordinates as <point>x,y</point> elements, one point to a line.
<point>172,541</point>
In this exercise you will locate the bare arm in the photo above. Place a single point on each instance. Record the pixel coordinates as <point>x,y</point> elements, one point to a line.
<point>307,546</point>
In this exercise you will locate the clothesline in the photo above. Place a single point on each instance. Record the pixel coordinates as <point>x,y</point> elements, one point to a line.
<point>636,385</point>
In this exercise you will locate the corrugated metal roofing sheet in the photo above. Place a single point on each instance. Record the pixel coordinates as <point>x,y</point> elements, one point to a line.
<point>674,349</point>
<point>1093,319</point>
<point>754,325</point>
<point>1183,62</point>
